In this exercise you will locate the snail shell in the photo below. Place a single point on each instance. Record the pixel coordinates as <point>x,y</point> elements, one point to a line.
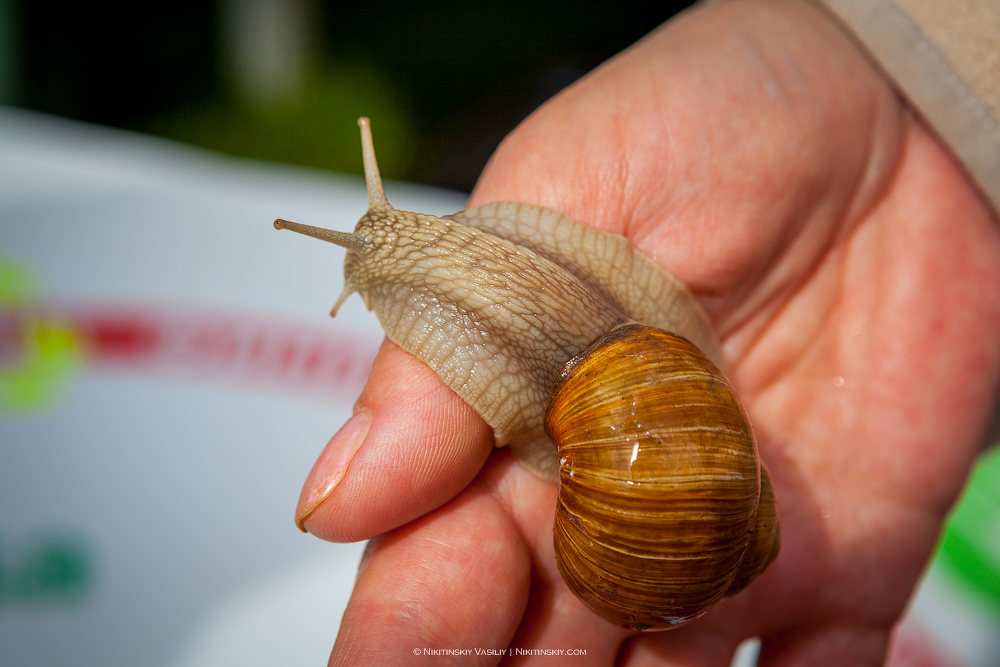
<point>518,307</point>
<point>642,415</point>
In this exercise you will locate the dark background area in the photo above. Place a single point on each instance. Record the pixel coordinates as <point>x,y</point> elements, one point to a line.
<point>443,81</point>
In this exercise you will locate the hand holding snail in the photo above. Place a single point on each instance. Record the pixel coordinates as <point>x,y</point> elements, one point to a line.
<point>544,327</point>
<point>853,322</point>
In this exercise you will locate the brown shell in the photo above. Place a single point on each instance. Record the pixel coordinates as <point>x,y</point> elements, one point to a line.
<point>659,479</point>
<point>766,539</point>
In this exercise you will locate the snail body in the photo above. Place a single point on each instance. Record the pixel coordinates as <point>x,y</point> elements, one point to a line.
<point>598,369</point>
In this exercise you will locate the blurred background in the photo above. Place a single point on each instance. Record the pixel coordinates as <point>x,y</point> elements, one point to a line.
<point>284,80</point>
<point>168,373</point>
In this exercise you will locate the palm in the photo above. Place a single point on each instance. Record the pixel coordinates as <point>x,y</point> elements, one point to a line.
<point>841,256</point>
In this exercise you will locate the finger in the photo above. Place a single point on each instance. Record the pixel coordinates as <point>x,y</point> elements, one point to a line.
<point>556,623</point>
<point>840,645</point>
<point>411,445</point>
<point>679,649</point>
<point>456,580</point>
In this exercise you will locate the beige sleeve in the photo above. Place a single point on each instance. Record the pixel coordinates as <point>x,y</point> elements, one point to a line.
<point>944,56</point>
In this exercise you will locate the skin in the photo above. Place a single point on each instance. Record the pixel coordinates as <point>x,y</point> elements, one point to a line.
<point>853,273</point>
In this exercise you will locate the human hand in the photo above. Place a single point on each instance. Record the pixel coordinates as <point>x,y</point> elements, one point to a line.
<point>852,273</point>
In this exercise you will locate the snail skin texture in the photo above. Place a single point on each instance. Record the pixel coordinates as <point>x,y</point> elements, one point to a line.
<point>598,369</point>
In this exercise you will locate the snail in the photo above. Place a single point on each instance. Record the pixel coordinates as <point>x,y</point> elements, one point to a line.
<point>598,369</point>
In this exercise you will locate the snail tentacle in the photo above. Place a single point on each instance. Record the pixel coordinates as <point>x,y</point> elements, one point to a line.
<point>352,242</point>
<point>376,193</point>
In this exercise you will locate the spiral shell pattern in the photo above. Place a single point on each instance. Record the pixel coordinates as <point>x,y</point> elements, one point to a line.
<point>659,479</point>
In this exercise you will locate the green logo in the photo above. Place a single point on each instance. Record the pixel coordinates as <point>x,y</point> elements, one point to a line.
<point>47,569</point>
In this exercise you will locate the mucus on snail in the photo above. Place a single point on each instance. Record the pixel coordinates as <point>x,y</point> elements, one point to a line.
<point>598,369</point>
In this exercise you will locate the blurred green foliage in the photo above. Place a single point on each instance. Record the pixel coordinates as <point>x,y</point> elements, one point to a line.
<point>315,128</point>
<point>443,81</point>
